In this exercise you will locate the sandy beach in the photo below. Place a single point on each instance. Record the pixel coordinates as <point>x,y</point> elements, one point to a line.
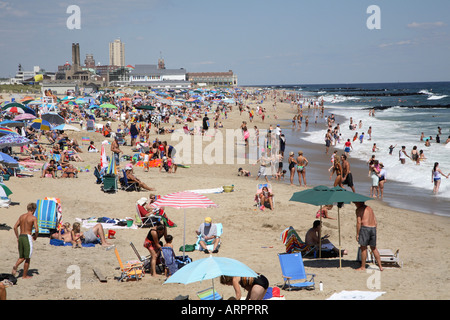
<point>250,235</point>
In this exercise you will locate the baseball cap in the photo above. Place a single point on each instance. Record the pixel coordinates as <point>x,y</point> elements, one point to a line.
<point>208,220</point>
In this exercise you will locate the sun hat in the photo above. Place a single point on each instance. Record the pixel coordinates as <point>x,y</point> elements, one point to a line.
<point>142,201</point>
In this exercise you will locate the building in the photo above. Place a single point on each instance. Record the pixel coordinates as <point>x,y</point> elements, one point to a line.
<point>216,79</point>
<point>117,53</point>
<point>149,75</point>
<point>89,62</point>
<point>60,87</point>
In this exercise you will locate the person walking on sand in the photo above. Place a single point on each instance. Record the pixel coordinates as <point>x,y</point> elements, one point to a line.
<point>347,177</point>
<point>366,233</point>
<point>26,223</point>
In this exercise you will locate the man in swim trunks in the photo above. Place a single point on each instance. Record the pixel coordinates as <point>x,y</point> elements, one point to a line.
<point>366,233</point>
<point>347,177</point>
<point>26,223</point>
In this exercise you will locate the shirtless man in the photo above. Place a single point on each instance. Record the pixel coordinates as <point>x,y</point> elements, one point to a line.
<point>312,239</point>
<point>347,177</point>
<point>26,223</point>
<point>116,150</point>
<point>366,233</point>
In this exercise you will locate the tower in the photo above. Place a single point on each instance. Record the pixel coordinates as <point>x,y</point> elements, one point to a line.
<point>75,56</point>
<point>117,53</point>
<point>161,64</point>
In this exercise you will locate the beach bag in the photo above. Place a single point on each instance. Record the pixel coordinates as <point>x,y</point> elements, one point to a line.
<point>8,277</point>
<point>188,248</point>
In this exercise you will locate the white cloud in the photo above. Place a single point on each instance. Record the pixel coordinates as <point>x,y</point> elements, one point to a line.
<point>426,25</point>
<point>399,43</point>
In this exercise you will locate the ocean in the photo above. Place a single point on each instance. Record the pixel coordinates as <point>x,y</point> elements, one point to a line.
<point>402,112</point>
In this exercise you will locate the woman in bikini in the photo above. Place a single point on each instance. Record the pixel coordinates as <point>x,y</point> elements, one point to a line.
<point>292,164</point>
<point>302,162</point>
<point>256,287</point>
<point>337,168</point>
<point>153,245</point>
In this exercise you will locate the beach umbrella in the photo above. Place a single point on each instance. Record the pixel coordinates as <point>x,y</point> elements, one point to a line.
<point>10,123</point>
<point>68,98</point>
<point>184,200</point>
<point>4,130</point>
<point>13,140</point>
<point>103,160</point>
<point>41,124</point>
<point>4,190</point>
<point>7,160</point>
<point>322,195</point>
<point>210,268</point>
<point>108,106</point>
<point>66,127</point>
<point>53,118</point>
<point>24,116</point>
<point>20,106</point>
<point>15,110</point>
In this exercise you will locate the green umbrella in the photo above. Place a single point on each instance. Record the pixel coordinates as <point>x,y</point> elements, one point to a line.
<point>108,106</point>
<point>4,190</point>
<point>323,195</point>
<point>147,107</point>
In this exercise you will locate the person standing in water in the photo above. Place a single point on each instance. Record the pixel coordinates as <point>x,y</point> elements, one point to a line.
<point>436,174</point>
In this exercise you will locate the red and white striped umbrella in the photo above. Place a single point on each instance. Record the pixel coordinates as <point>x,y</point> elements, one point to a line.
<point>184,199</point>
<point>15,110</point>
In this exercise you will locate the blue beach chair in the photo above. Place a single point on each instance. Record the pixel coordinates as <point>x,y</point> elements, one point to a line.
<point>292,269</point>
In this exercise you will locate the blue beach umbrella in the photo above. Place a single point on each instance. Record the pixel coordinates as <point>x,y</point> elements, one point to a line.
<point>8,160</point>
<point>41,124</point>
<point>210,268</point>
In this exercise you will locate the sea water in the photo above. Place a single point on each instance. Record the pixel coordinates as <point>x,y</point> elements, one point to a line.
<point>402,112</point>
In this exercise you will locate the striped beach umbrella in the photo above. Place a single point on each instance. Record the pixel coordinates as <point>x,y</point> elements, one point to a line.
<point>4,130</point>
<point>41,124</point>
<point>184,200</point>
<point>4,190</point>
<point>15,110</point>
<point>24,116</point>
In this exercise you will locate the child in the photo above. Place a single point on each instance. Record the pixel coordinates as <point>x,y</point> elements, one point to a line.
<point>169,240</point>
<point>92,148</point>
<point>146,160</point>
<point>391,148</point>
<point>76,235</point>
<point>374,148</point>
<point>242,172</point>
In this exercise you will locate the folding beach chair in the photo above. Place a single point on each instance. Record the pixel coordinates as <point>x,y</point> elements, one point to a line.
<point>169,260</point>
<point>131,270</point>
<point>258,192</point>
<point>126,185</point>
<point>47,216</point>
<point>209,294</point>
<point>210,246</point>
<point>146,260</point>
<point>98,176</point>
<point>143,221</point>
<point>389,258</point>
<point>292,269</point>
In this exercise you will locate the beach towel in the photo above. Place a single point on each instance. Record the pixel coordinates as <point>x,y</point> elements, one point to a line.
<point>213,190</point>
<point>292,241</point>
<point>61,243</point>
<point>356,295</point>
<point>92,222</point>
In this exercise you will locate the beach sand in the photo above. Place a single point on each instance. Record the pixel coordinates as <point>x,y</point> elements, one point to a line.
<point>250,235</point>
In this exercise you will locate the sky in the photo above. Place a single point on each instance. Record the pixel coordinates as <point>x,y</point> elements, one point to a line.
<point>264,42</point>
